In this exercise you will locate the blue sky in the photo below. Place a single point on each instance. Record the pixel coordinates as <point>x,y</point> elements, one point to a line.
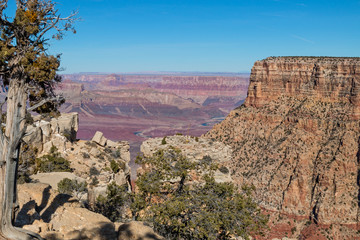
<point>204,35</point>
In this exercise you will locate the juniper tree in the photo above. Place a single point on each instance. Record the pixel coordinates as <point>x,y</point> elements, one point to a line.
<point>28,74</point>
<point>182,200</point>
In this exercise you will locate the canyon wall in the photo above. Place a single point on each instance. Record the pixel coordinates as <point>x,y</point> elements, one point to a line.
<point>322,78</point>
<point>297,140</point>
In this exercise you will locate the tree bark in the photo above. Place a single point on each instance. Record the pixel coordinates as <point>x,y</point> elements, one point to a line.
<point>10,145</point>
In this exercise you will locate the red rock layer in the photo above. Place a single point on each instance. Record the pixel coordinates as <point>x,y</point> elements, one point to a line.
<point>323,78</point>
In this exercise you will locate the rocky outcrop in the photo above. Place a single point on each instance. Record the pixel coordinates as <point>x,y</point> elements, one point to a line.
<point>195,149</point>
<point>296,140</point>
<point>43,134</point>
<point>90,160</point>
<point>93,161</point>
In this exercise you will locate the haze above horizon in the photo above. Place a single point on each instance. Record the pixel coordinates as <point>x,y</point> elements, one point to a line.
<point>203,35</point>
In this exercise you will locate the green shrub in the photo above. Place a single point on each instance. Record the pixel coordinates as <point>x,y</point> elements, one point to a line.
<point>94,181</point>
<point>112,204</point>
<point>181,209</point>
<point>114,165</point>
<point>108,150</point>
<point>206,159</point>
<point>116,154</point>
<point>224,170</point>
<point>52,162</point>
<point>29,119</point>
<point>85,155</point>
<point>93,171</point>
<point>72,187</point>
<point>163,141</point>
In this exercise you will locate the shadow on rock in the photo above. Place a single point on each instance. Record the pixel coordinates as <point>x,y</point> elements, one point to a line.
<point>137,231</point>
<point>58,201</point>
<point>105,231</point>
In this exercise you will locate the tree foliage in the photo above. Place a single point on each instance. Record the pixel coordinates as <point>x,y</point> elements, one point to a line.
<point>182,200</point>
<point>23,48</point>
<point>52,162</point>
<point>72,187</point>
<point>112,204</point>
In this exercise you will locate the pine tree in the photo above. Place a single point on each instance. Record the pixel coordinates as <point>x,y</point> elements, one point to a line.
<point>28,75</point>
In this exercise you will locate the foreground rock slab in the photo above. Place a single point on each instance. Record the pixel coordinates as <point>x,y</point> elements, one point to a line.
<point>59,216</point>
<point>137,231</point>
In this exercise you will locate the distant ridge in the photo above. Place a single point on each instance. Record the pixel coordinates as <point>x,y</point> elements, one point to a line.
<point>166,73</point>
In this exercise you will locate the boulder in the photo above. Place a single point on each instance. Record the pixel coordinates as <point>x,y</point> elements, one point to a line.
<point>33,137</point>
<point>99,138</point>
<point>110,143</point>
<point>45,130</point>
<point>58,141</point>
<point>67,124</point>
<point>80,223</point>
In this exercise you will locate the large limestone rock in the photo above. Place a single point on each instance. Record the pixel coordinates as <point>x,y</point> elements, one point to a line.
<point>137,231</point>
<point>67,124</point>
<point>90,160</point>
<point>42,134</point>
<point>296,139</point>
<point>99,139</point>
<point>58,216</point>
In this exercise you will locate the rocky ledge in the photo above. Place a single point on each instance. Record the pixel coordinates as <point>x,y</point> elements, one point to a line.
<point>195,149</point>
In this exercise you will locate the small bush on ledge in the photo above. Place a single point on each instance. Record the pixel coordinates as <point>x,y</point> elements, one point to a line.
<point>52,162</point>
<point>72,187</point>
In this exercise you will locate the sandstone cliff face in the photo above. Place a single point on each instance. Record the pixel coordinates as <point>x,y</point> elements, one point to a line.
<point>296,139</point>
<point>322,78</point>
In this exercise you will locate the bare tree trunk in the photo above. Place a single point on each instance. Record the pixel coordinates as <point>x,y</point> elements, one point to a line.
<point>15,130</point>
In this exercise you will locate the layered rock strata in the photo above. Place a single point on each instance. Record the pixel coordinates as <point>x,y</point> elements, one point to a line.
<point>297,140</point>
<point>324,79</point>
